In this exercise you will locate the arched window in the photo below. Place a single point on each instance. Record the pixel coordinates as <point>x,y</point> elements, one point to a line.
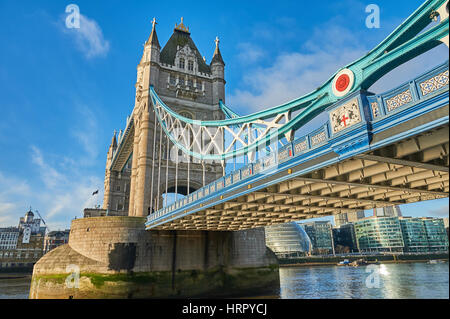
<point>172,79</point>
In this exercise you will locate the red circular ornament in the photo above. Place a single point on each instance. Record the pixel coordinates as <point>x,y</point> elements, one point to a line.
<point>342,82</point>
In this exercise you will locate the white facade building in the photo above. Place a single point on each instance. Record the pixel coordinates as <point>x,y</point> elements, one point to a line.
<point>8,238</point>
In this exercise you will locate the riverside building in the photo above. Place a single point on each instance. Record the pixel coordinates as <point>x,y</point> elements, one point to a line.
<point>389,211</point>
<point>379,234</point>
<point>22,246</point>
<point>320,234</point>
<point>55,238</point>
<point>414,234</point>
<point>348,217</point>
<point>344,238</point>
<point>446,225</point>
<point>8,238</point>
<point>436,234</point>
<point>288,240</point>
<point>401,234</point>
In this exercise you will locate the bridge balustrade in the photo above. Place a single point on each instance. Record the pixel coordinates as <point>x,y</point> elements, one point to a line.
<point>373,108</point>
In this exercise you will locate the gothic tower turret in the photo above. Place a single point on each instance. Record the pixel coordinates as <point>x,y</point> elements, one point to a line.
<point>190,87</point>
<point>147,74</point>
<point>218,74</point>
<point>108,173</point>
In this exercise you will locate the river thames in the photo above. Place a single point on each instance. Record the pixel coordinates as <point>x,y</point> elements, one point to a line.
<point>385,281</point>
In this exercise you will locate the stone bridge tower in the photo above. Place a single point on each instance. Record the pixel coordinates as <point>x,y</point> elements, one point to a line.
<point>189,86</point>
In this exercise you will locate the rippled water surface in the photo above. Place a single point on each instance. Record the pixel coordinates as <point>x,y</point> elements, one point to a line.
<point>391,281</point>
<point>14,286</point>
<point>408,280</point>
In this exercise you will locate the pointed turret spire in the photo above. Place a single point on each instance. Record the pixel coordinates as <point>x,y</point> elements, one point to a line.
<point>181,27</point>
<point>114,140</point>
<point>217,57</point>
<point>111,150</point>
<point>153,39</point>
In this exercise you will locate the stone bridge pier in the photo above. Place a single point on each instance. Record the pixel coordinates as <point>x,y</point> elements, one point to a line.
<point>114,257</point>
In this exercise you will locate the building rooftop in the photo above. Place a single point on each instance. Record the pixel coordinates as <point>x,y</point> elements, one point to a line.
<point>180,38</point>
<point>58,232</point>
<point>9,229</point>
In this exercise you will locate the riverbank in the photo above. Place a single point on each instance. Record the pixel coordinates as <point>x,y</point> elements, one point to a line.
<point>410,280</point>
<point>7,276</point>
<point>27,270</point>
<point>15,285</point>
<point>333,260</point>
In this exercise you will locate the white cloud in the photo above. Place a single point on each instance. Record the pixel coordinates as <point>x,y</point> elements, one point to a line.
<point>49,175</point>
<point>411,69</point>
<point>249,53</point>
<point>66,191</point>
<point>11,190</point>
<point>59,185</point>
<point>86,133</point>
<point>68,182</point>
<point>294,74</point>
<point>88,38</point>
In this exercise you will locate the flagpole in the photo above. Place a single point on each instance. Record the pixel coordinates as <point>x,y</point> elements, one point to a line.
<point>95,193</point>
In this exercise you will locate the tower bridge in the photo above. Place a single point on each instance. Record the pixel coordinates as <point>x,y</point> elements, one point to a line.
<point>394,150</point>
<point>374,150</point>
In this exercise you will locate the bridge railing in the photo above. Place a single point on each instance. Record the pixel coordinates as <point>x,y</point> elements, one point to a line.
<point>381,106</point>
<point>407,94</point>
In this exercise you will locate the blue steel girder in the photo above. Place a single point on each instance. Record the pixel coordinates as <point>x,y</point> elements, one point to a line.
<point>414,114</point>
<point>403,44</point>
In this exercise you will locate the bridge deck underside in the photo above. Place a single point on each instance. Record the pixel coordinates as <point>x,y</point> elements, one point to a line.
<point>415,169</point>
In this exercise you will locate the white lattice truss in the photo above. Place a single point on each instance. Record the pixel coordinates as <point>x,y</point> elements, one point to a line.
<point>206,141</point>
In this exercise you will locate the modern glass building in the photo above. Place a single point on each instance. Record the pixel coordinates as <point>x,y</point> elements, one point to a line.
<point>288,240</point>
<point>347,217</point>
<point>436,234</point>
<point>379,234</point>
<point>320,234</point>
<point>414,234</point>
<point>446,226</point>
<point>345,239</point>
<point>389,211</point>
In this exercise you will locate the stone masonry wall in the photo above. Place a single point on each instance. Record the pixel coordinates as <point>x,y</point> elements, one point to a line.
<point>154,263</point>
<point>97,237</point>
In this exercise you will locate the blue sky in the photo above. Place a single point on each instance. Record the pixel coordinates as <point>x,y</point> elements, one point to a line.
<point>63,92</point>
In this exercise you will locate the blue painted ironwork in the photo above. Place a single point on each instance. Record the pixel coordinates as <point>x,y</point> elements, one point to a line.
<point>403,44</point>
<point>348,142</point>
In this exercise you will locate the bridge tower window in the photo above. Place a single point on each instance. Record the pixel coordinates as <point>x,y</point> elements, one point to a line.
<point>172,79</point>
